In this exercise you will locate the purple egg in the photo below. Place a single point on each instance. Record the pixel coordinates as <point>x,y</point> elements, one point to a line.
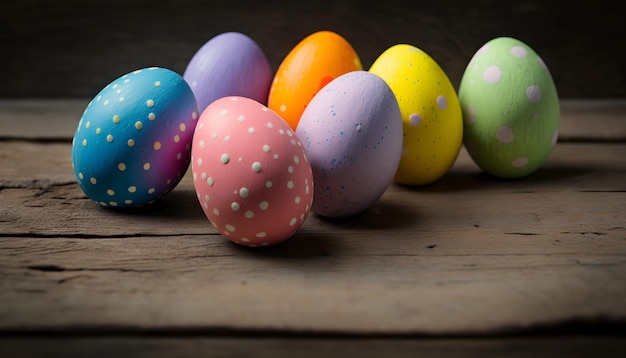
<point>229,64</point>
<point>352,131</point>
<point>133,142</point>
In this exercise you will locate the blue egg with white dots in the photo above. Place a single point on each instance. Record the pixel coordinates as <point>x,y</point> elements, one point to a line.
<point>133,141</point>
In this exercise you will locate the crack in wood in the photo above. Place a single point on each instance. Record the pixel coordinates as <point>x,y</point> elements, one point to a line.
<point>56,268</point>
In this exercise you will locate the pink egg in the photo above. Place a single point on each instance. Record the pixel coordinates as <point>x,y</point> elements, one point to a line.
<point>251,172</point>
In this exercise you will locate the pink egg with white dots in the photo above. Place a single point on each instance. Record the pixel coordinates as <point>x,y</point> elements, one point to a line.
<point>251,172</point>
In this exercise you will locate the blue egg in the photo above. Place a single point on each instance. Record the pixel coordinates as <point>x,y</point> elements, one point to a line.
<point>133,141</point>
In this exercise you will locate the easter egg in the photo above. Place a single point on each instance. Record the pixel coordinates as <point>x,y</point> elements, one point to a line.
<point>431,114</point>
<point>510,108</point>
<point>310,65</point>
<point>251,173</point>
<point>229,64</point>
<point>133,141</point>
<point>352,130</point>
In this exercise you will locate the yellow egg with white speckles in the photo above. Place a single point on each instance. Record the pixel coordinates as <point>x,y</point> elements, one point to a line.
<point>431,113</point>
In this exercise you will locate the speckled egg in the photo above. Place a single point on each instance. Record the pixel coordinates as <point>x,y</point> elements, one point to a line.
<point>133,142</point>
<point>310,65</point>
<point>431,114</point>
<point>229,64</point>
<point>510,109</point>
<point>251,172</point>
<point>352,130</point>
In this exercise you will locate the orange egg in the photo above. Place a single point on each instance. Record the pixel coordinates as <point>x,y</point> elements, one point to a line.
<point>310,65</point>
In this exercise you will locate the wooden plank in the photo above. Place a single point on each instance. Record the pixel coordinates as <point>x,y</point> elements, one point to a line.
<point>50,120</point>
<point>45,190</point>
<point>469,255</point>
<point>165,347</point>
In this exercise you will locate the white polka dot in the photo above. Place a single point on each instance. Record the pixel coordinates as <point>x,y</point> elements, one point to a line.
<point>264,205</point>
<point>519,162</point>
<point>270,125</point>
<point>266,148</point>
<point>505,135</point>
<point>121,167</point>
<point>132,189</point>
<point>128,202</point>
<point>290,169</point>
<point>150,103</point>
<point>249,214</point>
<point>261,234</point>
<point>223,112</point>
<point>297,200</point>
<point>210,181</point>
<point>293,221</point>
<point>225,158</point>
<point>110,192</point>
<point>116,119</point>
<point>194,115</point>
<point>492,74</point>
<point>296,159</point>
<point>121,99</point>
<point>131,142</point>
<point>244,192</point>
<point>518,51</point>
<point>93,180</point>
<point>241,118</point>
<point>203,176</point>
<point>251,130</point>
<point>80,175</point>
<point>415,119</point>
<point>176,138</point>
<point>182,127</point>
<point>84,142</point>
<point>110,138</point>
<point>235,206</point>
<point>146,166</point>
<point>138,125</point>
<point>245,239</point>
<point>441,102</point>
<point>268,184</point>
<point>201,144</point>
<point>157,145</point>
<point>199,161</point>
<point>283,108</point>
<point>256,166</point>
<point>533,93</point>
<point>290,184</point>
<point>229,227</point>
<point>227,138</point>
<point>216,212</point>
<point>157,84</point>
<point>106,102</point>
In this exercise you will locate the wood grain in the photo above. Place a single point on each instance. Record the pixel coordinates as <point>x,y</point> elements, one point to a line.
<point>542,250</point>
<point>56,120</point>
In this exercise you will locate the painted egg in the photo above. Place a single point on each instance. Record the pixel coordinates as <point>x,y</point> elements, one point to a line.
<point>251,173</point>
<point>510,109</point>
<point>431,114</point>
<point>310,65</point>
<point>352,130</point>
<point>229,64</point>
<point>133,142</point>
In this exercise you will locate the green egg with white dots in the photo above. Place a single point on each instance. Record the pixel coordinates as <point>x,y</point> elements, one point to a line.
<point>510,109</point>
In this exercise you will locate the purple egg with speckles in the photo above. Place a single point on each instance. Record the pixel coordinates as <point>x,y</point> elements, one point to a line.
<point>133,141</point>
<point>229,64</point>
<point>352,130</point>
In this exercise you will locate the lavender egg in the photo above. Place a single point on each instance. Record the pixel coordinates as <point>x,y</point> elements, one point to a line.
<point>133,141</point>
<point>352,131</point>
<point>229,64</point>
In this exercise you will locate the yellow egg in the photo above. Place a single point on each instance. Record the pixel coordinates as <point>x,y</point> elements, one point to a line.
<point>431,114</point>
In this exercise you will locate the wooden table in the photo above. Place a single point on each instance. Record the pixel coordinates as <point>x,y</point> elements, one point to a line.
<point>470,265</point>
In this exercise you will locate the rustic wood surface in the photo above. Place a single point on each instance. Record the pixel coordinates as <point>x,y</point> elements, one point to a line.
<point>71,48</point>
<point>470,265</point>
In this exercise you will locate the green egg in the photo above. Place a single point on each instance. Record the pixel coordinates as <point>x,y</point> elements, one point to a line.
<point>510,109</point>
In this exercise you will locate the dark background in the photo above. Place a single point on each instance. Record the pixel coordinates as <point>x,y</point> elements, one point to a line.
<point>73,48</point>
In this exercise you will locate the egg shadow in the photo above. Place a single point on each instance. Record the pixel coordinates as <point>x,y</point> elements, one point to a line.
<point>383,215</point>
